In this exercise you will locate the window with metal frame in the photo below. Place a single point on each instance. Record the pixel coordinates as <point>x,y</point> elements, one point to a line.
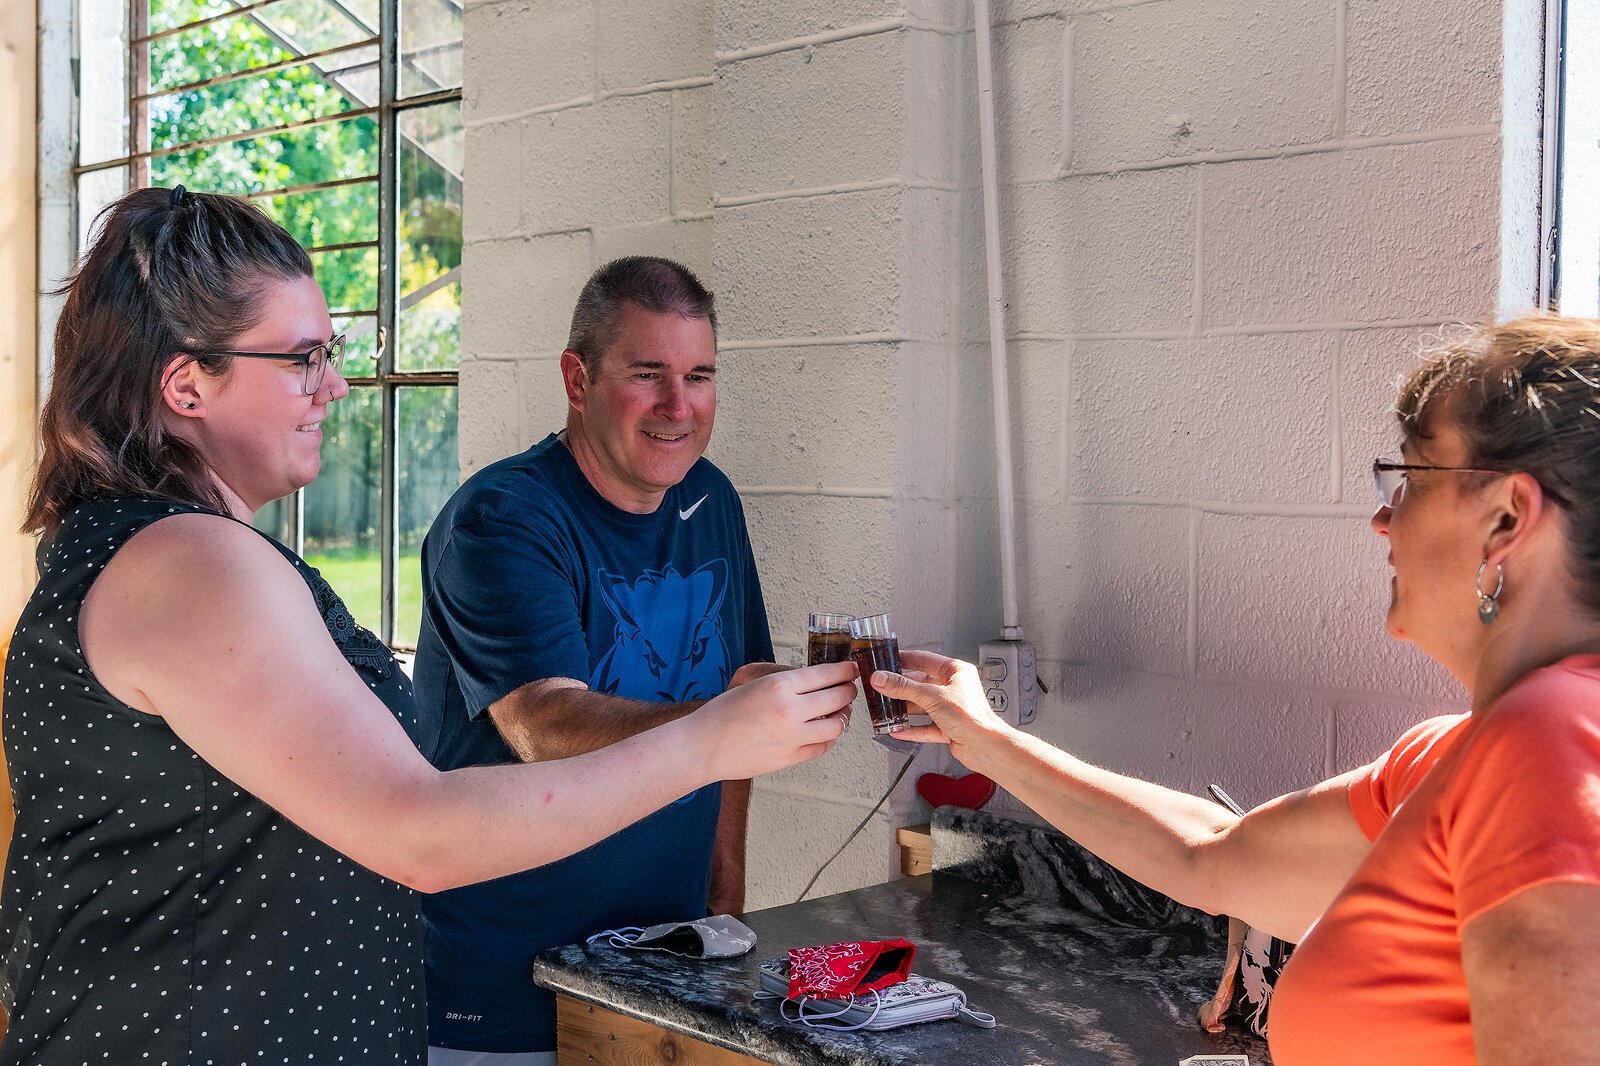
<point>342,120</point>
<point>1573,138</point>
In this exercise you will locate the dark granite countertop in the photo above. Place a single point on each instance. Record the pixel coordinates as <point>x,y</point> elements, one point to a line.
<point>1078,964</point>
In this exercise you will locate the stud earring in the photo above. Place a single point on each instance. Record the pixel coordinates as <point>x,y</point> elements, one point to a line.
<point>189,405</point>
<point>1489,602</point>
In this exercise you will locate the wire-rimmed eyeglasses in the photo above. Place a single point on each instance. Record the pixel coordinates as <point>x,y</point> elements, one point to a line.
<point>314,364</point>
<point>1389,478</point>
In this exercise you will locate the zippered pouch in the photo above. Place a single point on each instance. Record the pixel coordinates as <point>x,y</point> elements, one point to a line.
<point>916,999</point>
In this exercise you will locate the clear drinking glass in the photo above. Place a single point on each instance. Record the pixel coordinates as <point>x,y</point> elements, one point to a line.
<point>827,639</point>
<point>875,647</point>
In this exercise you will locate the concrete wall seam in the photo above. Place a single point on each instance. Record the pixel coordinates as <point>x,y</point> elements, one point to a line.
<point>587,100</point>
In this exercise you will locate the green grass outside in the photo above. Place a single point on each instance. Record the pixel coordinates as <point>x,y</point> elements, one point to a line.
<point>353,573</point>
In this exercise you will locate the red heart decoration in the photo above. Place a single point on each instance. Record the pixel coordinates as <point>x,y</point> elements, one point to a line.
<point>942,790</point>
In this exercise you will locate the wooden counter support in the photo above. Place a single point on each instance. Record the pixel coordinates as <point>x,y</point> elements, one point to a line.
<point>916,850</point>
<point>587,1035</point>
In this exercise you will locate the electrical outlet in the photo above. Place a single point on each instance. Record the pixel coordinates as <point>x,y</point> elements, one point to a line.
<point>1010,679</point>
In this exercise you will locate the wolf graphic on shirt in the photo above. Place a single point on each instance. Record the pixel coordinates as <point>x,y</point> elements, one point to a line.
<point>668,643</point>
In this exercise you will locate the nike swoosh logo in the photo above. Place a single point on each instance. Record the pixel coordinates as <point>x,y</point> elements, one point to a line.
<point>692,509</point>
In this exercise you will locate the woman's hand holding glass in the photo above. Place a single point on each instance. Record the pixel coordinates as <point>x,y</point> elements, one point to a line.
<point>949,692</point>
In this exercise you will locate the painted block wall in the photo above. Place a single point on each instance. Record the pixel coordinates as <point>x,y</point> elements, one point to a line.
<point>1230,228</point>
<point>587,136</point>
<point>1226,228</point>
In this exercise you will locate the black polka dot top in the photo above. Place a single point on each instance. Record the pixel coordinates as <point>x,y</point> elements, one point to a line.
<point>153,912</point>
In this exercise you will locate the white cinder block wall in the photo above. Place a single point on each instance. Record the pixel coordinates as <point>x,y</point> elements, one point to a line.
<point>1230,226</point>
<point>1227,225</point>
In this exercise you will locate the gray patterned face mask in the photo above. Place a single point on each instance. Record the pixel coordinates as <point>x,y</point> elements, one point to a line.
<point>720,936</point>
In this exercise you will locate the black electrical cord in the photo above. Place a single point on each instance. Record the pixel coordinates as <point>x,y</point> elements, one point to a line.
<point>857,830</point>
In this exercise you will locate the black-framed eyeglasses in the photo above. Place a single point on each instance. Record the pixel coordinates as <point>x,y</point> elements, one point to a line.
<point>314,364</point>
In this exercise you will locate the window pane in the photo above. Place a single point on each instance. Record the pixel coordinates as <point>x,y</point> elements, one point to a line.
<point>311,24</point>
<point>294,94</point>
<point>345,149</point>
<point>317,24</point>
<point>430,331</point>
<point>211,51</point>
<point>431,151</point>
<point>429,472</point>
<point>361,344</point>
<point>341,506</point>
<point>349,279</point>
<point>102,82</point>
<point>266,35</point>
<point>339,215</point>
<point>165,14</point>
<point>430,46</point>
<point>1580,164</point>
<point>96,189</point>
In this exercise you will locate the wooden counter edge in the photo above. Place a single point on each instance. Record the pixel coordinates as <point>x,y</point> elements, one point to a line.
<point>586,1033</point>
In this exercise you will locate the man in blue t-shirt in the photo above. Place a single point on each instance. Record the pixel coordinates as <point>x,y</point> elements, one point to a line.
<point>596,585</point>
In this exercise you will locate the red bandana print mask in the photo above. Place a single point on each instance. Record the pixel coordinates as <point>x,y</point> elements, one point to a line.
<point>834,971</point>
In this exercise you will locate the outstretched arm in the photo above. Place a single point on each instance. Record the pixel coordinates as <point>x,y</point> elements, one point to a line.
<point>1277,868</point>
<point>237,660</point>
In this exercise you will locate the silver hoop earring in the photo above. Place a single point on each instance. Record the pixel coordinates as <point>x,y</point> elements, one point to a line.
<point>1489,602</point>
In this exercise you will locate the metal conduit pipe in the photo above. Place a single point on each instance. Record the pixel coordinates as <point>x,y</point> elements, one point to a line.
<point>1011,623</point>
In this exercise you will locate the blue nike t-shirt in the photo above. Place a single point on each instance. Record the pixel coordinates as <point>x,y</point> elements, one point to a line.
<point>530,573</point>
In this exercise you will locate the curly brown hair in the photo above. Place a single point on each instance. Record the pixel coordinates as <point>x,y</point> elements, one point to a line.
<point>168,271</point>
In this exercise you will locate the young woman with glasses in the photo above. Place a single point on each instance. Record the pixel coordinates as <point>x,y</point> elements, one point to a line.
<point>1445,898</point>
<point>221,820</point>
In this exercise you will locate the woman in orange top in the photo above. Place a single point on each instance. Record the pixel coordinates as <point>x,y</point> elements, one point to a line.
<point>1446,898</point>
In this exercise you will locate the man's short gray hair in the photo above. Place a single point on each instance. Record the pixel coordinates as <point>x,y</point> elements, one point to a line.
<point>657,285</point>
